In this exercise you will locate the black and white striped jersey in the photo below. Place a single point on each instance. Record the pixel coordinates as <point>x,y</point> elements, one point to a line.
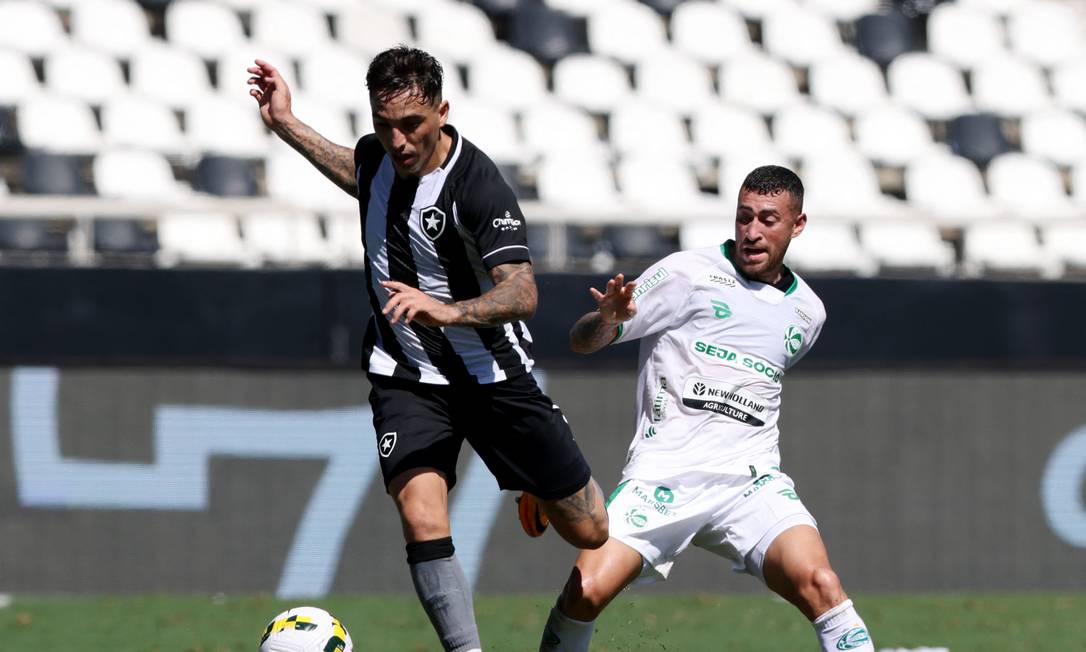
<point>441,233</point>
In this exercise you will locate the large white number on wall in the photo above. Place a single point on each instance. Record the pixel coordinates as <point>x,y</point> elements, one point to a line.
<point>1062,489</point>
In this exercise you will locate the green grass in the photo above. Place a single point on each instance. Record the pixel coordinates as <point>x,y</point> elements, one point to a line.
<point>1013,622</point>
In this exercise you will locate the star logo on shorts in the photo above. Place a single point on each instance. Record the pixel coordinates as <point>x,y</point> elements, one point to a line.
<point>387,443</point>
<point>432,219</point>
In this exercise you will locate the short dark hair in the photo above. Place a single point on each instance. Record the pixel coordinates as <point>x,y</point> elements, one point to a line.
<point>404,68</point>
<point>774,179</point>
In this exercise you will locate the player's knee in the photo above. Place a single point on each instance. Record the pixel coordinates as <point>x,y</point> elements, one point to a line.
<point>594,536</point>
<point>421,522</point>
<point>584,598</point>
<point>822,589</point>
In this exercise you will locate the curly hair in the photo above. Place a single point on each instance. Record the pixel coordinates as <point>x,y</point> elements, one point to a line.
<point>774,179</point>
<point>405,69</point>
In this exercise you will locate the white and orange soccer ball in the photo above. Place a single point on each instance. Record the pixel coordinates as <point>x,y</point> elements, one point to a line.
<point>305,629</point>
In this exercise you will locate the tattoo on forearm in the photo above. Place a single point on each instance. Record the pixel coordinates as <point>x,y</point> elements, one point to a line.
<point>334,161</point>
<point>591,333</point>
<point>513,297</point>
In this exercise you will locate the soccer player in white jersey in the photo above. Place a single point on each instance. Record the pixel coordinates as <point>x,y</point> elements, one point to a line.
<point>719,327</point>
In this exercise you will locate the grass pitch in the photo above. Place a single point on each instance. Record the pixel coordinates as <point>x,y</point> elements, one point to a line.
<point>1016,622</point>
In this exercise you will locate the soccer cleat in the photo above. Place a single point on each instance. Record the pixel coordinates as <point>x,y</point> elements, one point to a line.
<point>532,519</point>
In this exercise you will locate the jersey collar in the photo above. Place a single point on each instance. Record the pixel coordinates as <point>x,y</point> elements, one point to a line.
<point>787,282</point>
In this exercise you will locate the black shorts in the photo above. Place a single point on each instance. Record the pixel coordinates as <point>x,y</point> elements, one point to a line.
<point>514,427</point>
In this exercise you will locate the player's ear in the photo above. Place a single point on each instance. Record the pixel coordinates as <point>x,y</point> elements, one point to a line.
<point>801,221</point>
<point>443,112</point>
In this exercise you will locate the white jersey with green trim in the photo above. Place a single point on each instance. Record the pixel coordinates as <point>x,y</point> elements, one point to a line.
<point>714,350</point>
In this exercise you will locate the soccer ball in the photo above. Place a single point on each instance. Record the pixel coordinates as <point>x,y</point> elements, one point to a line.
<point>305,629</point>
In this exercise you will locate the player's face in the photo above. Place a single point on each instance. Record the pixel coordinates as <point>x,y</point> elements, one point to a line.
<point>409,128</point>
<point>764,226</point>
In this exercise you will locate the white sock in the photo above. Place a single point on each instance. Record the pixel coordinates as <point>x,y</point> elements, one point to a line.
<point>841,628</point>
<point>564,634</point>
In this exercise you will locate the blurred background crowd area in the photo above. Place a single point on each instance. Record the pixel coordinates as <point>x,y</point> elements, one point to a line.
<point>936,139</point>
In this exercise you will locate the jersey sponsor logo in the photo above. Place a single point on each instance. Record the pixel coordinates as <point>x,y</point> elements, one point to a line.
<point>432,219</point>
<point>636,518</point>
<point>654,501</point>
<point>659,403</point>
<point>721,279</point>
<point>724,399</point>
<point>721,310</point>
<point>793,340</point>
<point>738,360</point>
<point>386,444</point>
<point>757,485</point>
<point>853,638</point>
<point>664,495</point>
<point>804,316</point>
<point>657,278</point>
<point>507,223</point>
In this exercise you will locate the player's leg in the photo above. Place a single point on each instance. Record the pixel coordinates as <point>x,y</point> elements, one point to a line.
<point>580,518</point>
<point>418,452</point>
<point>598,576</point>
<point>797,567</point>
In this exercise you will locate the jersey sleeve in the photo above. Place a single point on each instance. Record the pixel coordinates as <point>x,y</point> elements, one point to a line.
<point>660,295</point>
<point>488,208</point>
<point>819,319</point>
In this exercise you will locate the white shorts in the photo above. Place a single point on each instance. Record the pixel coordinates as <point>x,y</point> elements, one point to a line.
<point>736,517</point>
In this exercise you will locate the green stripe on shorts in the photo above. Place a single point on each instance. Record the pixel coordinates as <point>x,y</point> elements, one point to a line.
<point>615,493</point>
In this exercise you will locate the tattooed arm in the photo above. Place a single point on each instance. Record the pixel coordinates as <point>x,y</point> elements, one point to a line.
<point>273,97</point>
<point>514,296</point>
<point>598,328</point>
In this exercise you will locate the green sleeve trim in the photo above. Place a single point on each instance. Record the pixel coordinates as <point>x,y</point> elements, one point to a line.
<point>618,334</point>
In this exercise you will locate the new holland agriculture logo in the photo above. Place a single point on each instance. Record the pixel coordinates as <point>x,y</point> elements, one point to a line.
<point>793,340</point>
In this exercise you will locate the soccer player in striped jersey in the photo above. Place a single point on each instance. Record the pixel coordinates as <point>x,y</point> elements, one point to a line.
<point>449,279</point>
<point>719,327</point>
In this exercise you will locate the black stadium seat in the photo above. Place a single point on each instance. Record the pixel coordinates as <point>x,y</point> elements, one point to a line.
<point>9,134</point>
<point>664,7</point>
<point>640,241</point>
<point>125,237</point>
<point>34,235</point>
<point>55,174</point>
<point>882,37</point>
<point>226,176</point>
<point>977,137</point>
<point>548,34</point>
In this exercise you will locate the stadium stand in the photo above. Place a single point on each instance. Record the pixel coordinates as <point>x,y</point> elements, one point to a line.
<point>908,127</point>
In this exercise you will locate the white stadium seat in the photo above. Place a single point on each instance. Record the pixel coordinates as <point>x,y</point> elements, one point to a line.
<point>294,180</point>
<point>758,82</point>
<point>491,128</point>
<point>1009,86</point>
<point>1030,188</point>
<point>661,185</point>
<point>580,7</point>
<point>735,167</point>
<point>204,27</point>
<point>1066,243</point>
<point>325,118</point>
<point>1056,135</point>
<point>709,31</point>
<point>344,231</point>
<point>904,245</point>
<point>758,9</point>
<point>800,36</point>
<point>289,27</point>
<point>202,238</point>
<point>965,36</point>
<point>20,82</point>
<point>369,28</point>
<point>805,129</point>
<point>847,82</point>
<point>843,184</point>
<point>707,231</point>
<point>1008,247</point>
<point>460,31</point>
<point>552,127</point>
<point>507,78</point>
<point>58,125</point>
<point>828,247</point>
<point>117,27</point>
<point>627,31</point>
<point>674,81</point>
<point>83,74</point>
<point>998,7</point>
<point>949,188</point>
<point>135,121</point>
<point>134,174</point>
<point>170,75</point>
<point>725,130</point>
<point>892,135</point>
<point>584,185</point>
<point>641,127</point>
<point>845,11</point>
<point>1069,85</point>
<point>594,83</point>
<point>1047,32</point>
<point>30,27</point>
<point>220,125</point>
<point>335,75</point>
<point>928,85</point>
<point>286,238</point>
<point>1078,183</point>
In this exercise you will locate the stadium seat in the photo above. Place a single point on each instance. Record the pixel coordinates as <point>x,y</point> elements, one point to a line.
<point>134,174</point>
<point>30,27</point>
<point>1056,135</point>
<point>34,236</point>
<point>979,137</point>
<point>627,31</point>
<point>1066,243</point>
<point>949,188</point>
<point>674,81</point>
<point>500,10</point>
<point>202,239</point>
<point>546,34</point>
<point>489,127</point>
<point>884,37</point>
<point>459,31</point>
<point>1047,32</point>
<point>965,36</point>
<point>828,247</point>
<point>9,133</point>
<point>580,7</point>
<point>735,167</point>
<point>1069,85</point>
<point>45,173</point>
<point>134,121</point>
<point>705,231</point>
<point>203,27</point>
<point>552,127</point>
<point>578,184</point>
<point>799,35</point>
<point>661,185</point>
<point>840,183</point>
<point>369,28</point>
<point>998,7</point>
<point>293,179</point>
<point>1078,183</point>
<point>758,9</point>
<point>1005,247</point>
<point>327,119</point>
<point>172,76</point>
<point>1009,86</point>
<point>724,130</point>
<point>594,83</point>
<point>845,11</point>
<point>344,231</point>
<point>292,239</point>
<point>892,135</point>
<point>83,74</point>
<point>1030,188</point>
<point>58,125</point>
<point>334,75</point>
<point>20,82</point>
<point>643,127</point>
<point>647,243</point>
<point>116,27</point>
<point>220,125</point>
<point>907,246</point>
<point>758,82</point>
<point>507,78</point>
<point>117,237</point>
<point>289,27</point>
<point>804,129</point>
<point>224,176</point>
<point>928,85</point>
<point>709,31</point>
<point>847,83</point>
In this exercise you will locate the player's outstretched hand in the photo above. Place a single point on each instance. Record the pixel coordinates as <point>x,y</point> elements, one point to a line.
<point>271,92</point>
<point>411,304</point>
<point>616,302</point>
